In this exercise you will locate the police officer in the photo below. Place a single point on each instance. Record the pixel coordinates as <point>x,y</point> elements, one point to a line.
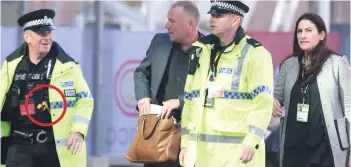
<point>40,60</point>
<point>228,94</point>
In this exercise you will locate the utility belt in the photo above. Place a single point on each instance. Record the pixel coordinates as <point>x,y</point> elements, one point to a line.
<point>33,137</point>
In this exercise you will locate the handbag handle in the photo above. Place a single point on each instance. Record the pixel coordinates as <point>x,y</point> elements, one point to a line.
<point>143,128</point>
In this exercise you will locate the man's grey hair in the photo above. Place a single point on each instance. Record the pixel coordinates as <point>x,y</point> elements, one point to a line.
<point>189,8</point>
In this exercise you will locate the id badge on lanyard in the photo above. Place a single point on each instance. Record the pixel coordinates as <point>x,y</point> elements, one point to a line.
<point>303,108</point>
<point>214,90</point>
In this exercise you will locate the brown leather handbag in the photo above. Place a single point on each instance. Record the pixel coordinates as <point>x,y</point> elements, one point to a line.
<point>156,140</point>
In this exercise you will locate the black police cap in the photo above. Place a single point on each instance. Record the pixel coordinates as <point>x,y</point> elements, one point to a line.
<point>39,20</point>
<point>223,7</point>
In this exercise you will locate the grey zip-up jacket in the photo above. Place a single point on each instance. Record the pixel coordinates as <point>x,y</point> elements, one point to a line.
<point>334,88</point>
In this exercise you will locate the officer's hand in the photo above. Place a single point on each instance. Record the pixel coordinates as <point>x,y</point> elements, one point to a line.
<point>277,109</point>
<point>75,141</point>
<point>246,154</point>
<point>144,105</point>
<point>168,106</point>
<point>181,156</point>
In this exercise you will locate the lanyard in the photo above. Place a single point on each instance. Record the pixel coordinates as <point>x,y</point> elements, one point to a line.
<point>303,91</point>
<point>214,60</point>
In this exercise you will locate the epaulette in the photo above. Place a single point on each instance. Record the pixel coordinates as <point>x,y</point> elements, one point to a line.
<point>253,42</point>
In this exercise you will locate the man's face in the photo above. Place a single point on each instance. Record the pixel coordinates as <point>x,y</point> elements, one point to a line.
<point>177,24</point>
<point>40,41</point>
<point>221,23</point>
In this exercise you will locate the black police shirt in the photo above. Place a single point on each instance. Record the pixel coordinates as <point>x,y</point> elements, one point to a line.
<point>37,74</point>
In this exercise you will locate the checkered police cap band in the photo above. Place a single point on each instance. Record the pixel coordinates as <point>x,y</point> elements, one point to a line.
<point>227,6</point>
<point>39,22</point>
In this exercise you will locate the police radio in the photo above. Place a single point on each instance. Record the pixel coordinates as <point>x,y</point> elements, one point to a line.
<point>194,59</point>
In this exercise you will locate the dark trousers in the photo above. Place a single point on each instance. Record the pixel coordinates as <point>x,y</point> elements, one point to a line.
<point>32,155</point>
<point>272,159</point>
<point>168,164</point>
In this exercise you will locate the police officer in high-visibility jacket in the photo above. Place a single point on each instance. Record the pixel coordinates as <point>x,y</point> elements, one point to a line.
<point>38,61</point>
<point>228,95</point>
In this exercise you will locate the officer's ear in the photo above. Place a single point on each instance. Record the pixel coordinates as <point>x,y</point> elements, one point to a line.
<point>27,36</point>
<point>237,20</point>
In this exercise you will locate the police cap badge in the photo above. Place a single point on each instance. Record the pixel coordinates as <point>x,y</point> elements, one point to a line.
<point>39,20</point>
<point>223,7</point>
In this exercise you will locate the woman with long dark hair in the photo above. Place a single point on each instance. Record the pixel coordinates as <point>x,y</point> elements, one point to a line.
<point>313,85</point>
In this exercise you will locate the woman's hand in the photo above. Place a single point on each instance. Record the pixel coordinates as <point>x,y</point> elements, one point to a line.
<point>277,109</point>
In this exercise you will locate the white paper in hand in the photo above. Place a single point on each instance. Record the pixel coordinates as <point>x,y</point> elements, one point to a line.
<point>155,109</point>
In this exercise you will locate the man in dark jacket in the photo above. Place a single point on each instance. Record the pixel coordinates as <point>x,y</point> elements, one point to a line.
<point>161,76</point>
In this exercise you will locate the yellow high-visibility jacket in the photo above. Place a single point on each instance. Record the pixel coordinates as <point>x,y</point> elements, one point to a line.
<point>79,108</point>
<point>240,116</point>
